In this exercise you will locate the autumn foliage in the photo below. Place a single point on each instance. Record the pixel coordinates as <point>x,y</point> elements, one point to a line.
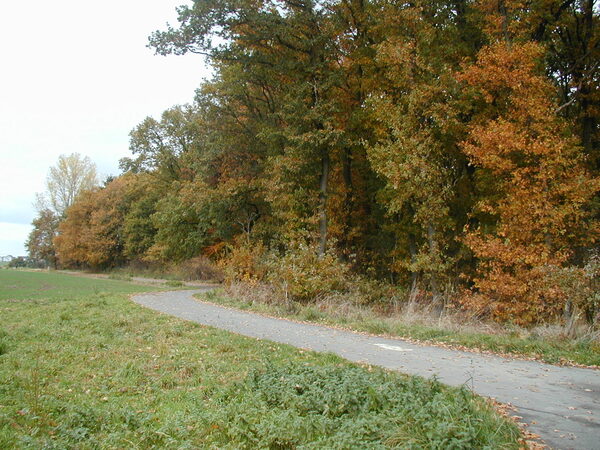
<point>444,146</point>
<point>541,185</point>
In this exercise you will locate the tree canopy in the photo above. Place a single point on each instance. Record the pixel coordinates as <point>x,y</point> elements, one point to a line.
<point>72,175</point>
<point>447,145</point>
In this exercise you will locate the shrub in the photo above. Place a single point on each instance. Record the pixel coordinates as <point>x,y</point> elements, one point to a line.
<point>244,262</point>
<point>199,268</point>
<point>303,275</point>
<point>553,292</point>
<point>370,291</point>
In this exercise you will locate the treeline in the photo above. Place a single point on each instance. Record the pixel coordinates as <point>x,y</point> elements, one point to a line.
<point>450,146</point>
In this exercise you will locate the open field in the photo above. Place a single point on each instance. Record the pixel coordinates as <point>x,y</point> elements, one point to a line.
<point>81,366</point>
<point>545,344</point>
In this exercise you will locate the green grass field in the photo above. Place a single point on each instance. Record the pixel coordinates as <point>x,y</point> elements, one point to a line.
<point>83,367</point>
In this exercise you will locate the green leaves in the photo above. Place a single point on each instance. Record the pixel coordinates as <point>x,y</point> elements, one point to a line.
<point>345,407</point>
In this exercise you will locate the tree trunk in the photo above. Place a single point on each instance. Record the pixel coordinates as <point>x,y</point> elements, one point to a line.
<point>412,249</point>
<point>433,249</point>
<point>349,199</point>
<point>588,122</point>
<point>323,204</point>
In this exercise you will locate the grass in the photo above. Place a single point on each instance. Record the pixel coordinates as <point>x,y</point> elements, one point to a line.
<point>194,269</point>
<point>542,343</point>
<point>128,273</point>
<point>83,367</point>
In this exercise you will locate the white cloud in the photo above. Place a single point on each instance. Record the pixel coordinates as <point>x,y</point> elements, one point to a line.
<point>77,77</point>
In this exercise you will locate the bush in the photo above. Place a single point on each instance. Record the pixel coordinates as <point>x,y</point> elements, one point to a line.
<point>381,293</point>
<point>566,286</point>
<point>302,275</point>
<point>18,262</point>
<point>244,262</point>
<point>198,268</point>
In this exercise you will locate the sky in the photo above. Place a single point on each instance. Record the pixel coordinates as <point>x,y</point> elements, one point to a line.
<point>77,77</point>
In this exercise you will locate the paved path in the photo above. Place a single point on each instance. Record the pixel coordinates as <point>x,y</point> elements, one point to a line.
<point>561,404</point>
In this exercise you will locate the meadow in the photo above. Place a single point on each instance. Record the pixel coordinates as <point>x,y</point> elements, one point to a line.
<point>81,366</point>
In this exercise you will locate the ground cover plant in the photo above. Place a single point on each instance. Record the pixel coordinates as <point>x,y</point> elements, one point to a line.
<point>81,366</point>
<point>547,343</point>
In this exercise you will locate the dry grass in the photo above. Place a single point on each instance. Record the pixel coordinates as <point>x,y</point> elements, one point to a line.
<point>194,269</point>
<point>400,316</point>
<point>353,306</point>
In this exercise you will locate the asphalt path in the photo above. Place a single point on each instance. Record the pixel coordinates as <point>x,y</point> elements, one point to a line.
<point>561,404</point>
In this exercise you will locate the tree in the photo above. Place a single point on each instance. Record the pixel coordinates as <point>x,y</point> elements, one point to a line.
<point>40,243</point>
<point>72,175</point>
<point>451,142</point>
<point>91,235</point>
<point>18,262</point>
<point>418,132</point>
<point>162,146</point>
<point>570,31</point>
<point>534,216</point>
<point>285,59</point>
<point>139,200</point>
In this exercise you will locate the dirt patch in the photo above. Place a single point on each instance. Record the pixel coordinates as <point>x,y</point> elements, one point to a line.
<point>46,287</point>
<point>21,300</point>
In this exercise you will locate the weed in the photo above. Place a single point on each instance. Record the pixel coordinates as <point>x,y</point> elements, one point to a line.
<point>348,407</point>
<point>3,342</point>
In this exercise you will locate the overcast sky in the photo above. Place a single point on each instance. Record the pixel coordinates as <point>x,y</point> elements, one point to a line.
<point>77,76</point>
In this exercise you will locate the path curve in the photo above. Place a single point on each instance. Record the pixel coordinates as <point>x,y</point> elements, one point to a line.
<point>561,404</point>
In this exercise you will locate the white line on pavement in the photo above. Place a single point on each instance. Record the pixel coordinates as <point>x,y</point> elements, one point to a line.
<point>394,347</point>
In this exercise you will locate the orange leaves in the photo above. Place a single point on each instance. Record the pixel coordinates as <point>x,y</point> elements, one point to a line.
<point>502,137</point>
<point>92,233</point>
<point>541,184</point>
<point>502,65</point>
